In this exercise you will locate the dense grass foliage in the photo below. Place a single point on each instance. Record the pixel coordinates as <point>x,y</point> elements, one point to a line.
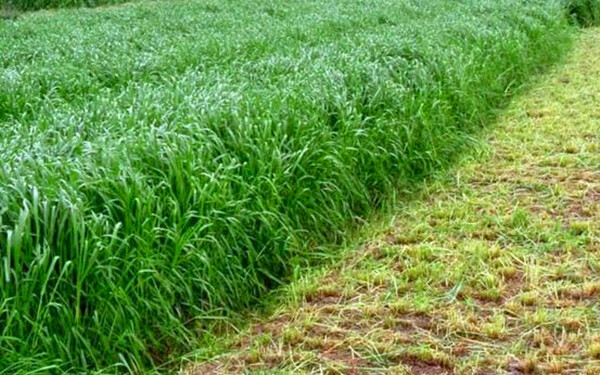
<point>584,12</point>
<point>166,163</point>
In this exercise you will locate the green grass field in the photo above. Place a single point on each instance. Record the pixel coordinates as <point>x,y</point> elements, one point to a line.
<point>493,269</point>
<point>164,164</point>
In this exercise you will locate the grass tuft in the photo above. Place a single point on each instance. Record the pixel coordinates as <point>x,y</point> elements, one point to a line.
<point>584,12</point>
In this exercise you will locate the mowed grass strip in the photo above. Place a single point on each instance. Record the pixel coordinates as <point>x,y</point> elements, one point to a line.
<point>167,163</point>
<point>494,270</point>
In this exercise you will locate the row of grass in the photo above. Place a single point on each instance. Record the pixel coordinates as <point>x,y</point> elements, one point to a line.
<point>164,165</point>
<point>584,12</point>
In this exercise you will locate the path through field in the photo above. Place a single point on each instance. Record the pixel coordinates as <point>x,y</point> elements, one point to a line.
<point>495,270</point>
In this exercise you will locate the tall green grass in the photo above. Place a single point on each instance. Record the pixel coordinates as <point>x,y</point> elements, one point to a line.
<point>584,12</point>
<point>165,164</point>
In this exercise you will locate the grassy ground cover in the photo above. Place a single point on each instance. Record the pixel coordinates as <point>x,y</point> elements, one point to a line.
<point>493,270</point>
<point>584,12</point>
<point>165,164</point>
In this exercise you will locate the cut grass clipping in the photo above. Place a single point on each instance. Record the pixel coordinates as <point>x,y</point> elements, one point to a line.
<point>167,163</point>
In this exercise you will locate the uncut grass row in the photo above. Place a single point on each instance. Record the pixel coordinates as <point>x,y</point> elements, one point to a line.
<point>165,164</point>
<point>584,12</point>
